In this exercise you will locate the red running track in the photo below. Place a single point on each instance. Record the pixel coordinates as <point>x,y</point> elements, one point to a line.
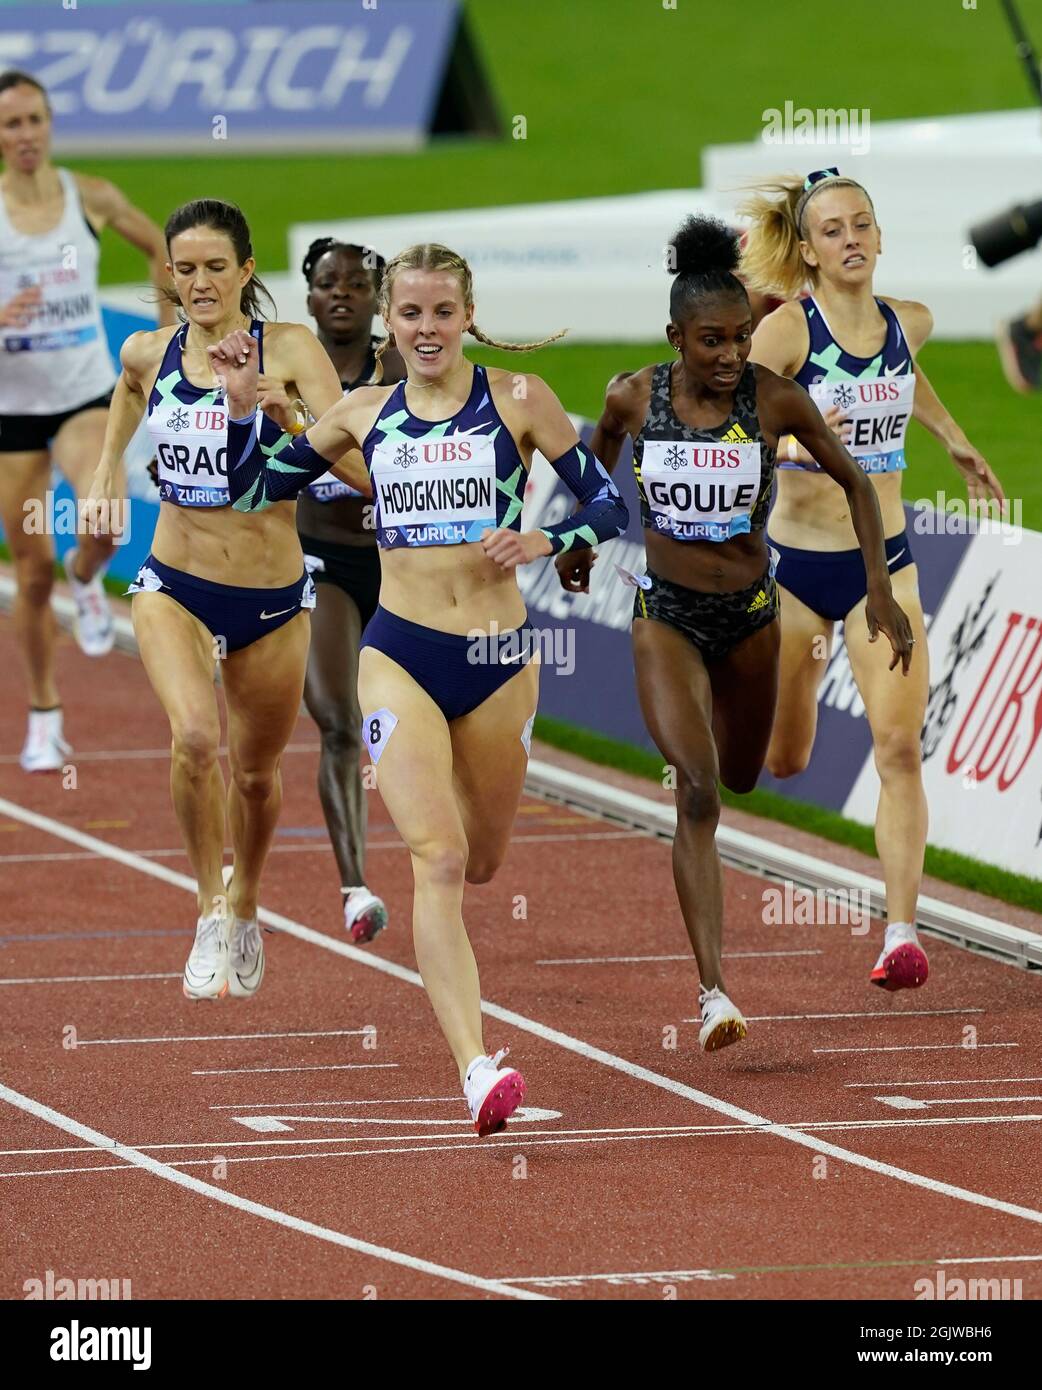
<point>311,1143</point>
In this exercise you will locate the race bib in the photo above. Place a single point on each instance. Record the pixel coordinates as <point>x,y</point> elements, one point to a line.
<point>879,411</point>
<point>700,492</point>
<point>435,491</point>
<point>66,315</point>
<point>192,452</point>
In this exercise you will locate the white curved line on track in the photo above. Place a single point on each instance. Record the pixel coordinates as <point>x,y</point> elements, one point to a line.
<point>539,1030</point>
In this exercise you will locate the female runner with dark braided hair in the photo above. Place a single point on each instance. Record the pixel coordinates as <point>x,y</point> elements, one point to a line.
<point>705,429</point>
<point>334,521</point>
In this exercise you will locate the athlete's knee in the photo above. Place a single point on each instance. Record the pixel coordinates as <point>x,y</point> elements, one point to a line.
<point>253,783</point>
<point>34,575</point>
<point>441,861</point>
<point>697,797</point>
<point>195,747</point>
<point>483,864</point>
<point>341,738</point>
<point>787,760</point>
<point>898,753</point>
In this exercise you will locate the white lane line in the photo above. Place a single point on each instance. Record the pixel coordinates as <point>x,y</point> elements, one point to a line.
<point>919,1047</point>
<point>985,1260</point>
<point>324,847</point>
<point>635,960</point>
<point>276,1104</point>
<point>526,1114</point>
<point>87,979</point>
<point>243,1204</point>
<point>128,754</point>
<point>908,1103</point>
<point>528,1025</point>
<point>634,1134</point>
<point>958,1081</point>
<point>220,1037</point>
<point>650,1276</point>
<point>329,1066</point>
<point>871,1013</point>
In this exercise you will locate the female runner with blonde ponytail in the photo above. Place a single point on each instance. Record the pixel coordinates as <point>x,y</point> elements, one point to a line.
<point>855,353</point>
<point>447,676</point>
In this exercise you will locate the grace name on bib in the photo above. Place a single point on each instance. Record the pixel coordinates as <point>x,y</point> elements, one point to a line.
<point>702,492</point>
<point>436,491</point>
<point>192,453</point>
<point>879,411</point>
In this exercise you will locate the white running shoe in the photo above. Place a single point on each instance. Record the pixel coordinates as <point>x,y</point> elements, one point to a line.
<point>45,749</point>
<point>95,629</point>
<point>492,1095</point>
<point>722,1022</point>
<point>245,958</point>
<point>365,915</point>
<point>206,970</point>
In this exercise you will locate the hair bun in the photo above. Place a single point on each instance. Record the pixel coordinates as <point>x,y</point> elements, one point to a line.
<point>704,246</point>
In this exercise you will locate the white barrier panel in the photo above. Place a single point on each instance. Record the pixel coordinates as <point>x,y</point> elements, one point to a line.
<point>595,266</point>
<point>930,181</point>
<point>982,742</point>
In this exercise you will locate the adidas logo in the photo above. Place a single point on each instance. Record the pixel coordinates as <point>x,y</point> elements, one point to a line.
<point>760,601</point>
<point>735,435</point>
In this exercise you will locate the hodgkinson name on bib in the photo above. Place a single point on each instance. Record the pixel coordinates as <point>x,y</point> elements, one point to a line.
<point>879,411</point>
<point>436,490</point>
<point>701,491</point>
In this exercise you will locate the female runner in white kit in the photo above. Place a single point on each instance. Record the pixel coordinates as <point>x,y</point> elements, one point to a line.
<point>55,384</point>
<point>855,353</point>
<point>447,685</point>
<point>218,585</point>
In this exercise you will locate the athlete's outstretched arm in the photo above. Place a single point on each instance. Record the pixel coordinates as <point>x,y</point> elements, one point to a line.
<point>257,480</point>
<point>107,206</point>
<point>981,482</point>
<point>602,513</point>
<point>785,408</point>
<point>101,509</point>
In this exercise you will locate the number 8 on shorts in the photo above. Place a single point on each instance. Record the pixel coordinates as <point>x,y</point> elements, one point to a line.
<point>377,728</point>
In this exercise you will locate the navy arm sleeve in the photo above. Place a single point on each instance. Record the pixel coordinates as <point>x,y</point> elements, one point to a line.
<point>602,513</point>
<point>258,476</point>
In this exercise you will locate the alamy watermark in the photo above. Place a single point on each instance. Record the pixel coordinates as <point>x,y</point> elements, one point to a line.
<point>803,125</point>
<point>51,515</point>
<point>956,516</point>
<point>554,646</point>
<point>793,906</point>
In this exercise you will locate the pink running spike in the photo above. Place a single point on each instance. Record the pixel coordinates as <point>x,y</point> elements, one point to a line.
<point>906,967</point>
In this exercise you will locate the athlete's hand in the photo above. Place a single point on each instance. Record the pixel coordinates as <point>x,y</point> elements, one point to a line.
<point>234,363</point>
<point>17,311</point>
<point>573,569</point>
<point>273,400</point>
<point>841,425</point>
<point>512,548</point>
<point>981,483</point>
<point>100,513</point>
<point>884,614</point>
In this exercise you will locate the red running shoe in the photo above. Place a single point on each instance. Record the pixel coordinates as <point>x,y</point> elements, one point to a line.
<point>492,1095</point>
<point>903,963</point>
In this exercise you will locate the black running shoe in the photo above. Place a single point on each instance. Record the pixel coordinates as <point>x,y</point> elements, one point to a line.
<point>1020,351</point>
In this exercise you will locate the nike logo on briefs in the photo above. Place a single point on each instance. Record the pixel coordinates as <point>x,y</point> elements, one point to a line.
<point>279,614</point>
<point>508,660</point>
<point>896,557</point>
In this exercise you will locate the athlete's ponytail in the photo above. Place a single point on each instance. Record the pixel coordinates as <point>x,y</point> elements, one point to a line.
<point>702,258</point>
<point>772,261</point>
<point>226,218</point>
<point>431,256</point>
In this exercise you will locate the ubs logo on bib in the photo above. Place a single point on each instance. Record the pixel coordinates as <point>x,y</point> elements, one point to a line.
<point>844,397</point>
<point>404,456</point>
<point>178,421</point>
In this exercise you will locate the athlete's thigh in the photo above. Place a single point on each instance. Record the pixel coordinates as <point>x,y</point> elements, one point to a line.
<point>177,654</point>
<point>263,685</point>
<point>745,692</point>
<point>408,740</point>
<point>24,479</point>
<point>806,641</point>
<point>892,699</point>
<point>488,758</point>
<point>676,697</point>
<point>331,690</point>
<point>76,449</point>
